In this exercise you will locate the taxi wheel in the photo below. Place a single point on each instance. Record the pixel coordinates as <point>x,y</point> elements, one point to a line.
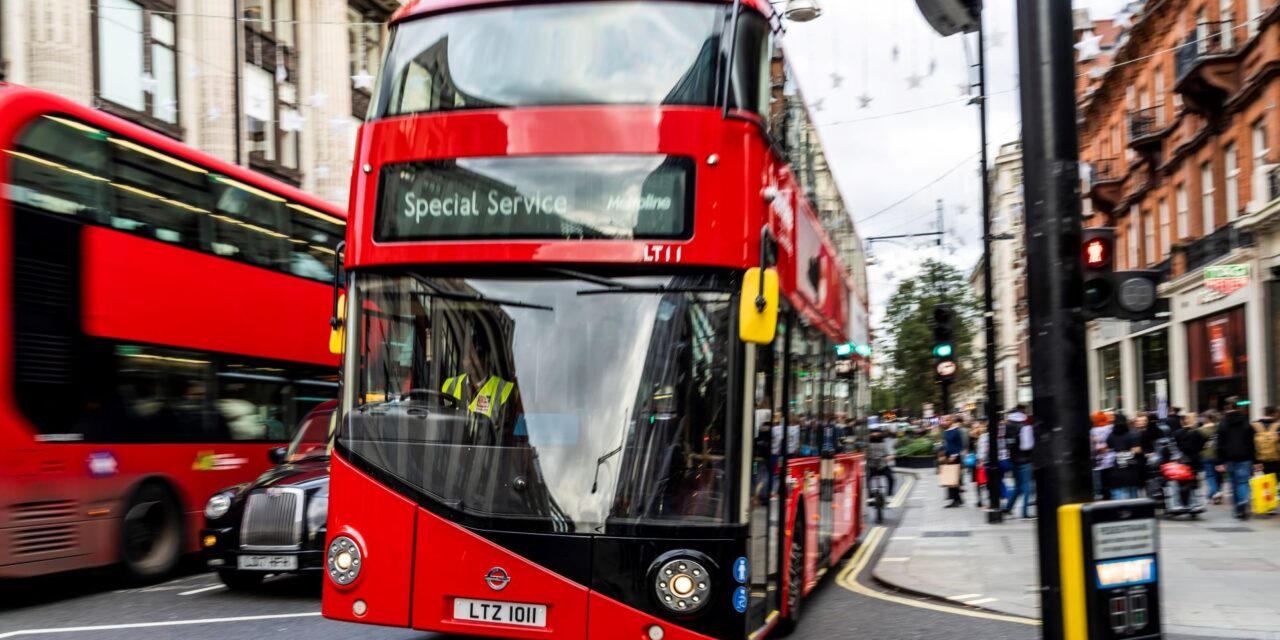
<point>151,533</point>
<point>241,580</point>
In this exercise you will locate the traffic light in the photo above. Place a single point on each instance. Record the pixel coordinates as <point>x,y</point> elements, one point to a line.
<point>944,333</point>
<point>1126,295</point>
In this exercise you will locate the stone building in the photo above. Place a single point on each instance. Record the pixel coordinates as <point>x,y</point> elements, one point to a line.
<point>280,87</point>
<point>1179,132</point>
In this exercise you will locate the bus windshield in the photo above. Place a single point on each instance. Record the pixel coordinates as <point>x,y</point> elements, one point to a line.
<point>631,52</point>
<point>601,410</point>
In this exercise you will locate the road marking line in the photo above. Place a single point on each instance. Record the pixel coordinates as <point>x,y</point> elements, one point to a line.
<point>904,537</point>
<point>905,490</point>
<point>145,625</point>
<point>854,567</point>
<point>979,601</point>
<point>897,559</point>
<point>202,590</point>
<point>965,596</point>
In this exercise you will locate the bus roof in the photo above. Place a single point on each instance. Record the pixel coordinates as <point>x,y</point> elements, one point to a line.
<point>20,104</point>
<point>415,8</point>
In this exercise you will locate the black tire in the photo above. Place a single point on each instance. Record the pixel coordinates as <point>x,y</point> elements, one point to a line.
<point>795,578</point>
<point>241,580</point>
<point>151,533</point>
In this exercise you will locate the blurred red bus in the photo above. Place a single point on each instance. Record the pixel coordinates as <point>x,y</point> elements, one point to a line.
<point>552,424</point>
<point>156,346</point>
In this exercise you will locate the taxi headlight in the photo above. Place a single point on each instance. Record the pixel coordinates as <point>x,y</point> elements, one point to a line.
<point>317,513</point>
<point>218,505</point>
<point>343,561</point>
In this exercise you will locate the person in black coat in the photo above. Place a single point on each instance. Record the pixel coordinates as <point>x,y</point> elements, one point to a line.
<point>1236,453</point>
<point>1127,475</point>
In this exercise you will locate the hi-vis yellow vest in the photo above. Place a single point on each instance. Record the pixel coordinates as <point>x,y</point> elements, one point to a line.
<point>493,393</point>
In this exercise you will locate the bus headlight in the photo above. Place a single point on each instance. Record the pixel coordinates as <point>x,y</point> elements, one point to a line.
<point>343,561</point>
<point>682,585</point>
<point>317,513</point>
<point>218,505</point>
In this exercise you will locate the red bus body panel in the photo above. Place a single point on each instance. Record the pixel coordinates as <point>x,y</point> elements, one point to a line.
<point>143,291</point>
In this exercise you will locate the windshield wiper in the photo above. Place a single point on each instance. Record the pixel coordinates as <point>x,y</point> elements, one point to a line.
<point>437,292</point>
<point>613,286</point>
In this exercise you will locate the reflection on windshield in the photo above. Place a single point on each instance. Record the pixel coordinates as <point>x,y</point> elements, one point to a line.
<point>584,53</point>
<point>609,409</point>
<point>312,439</point>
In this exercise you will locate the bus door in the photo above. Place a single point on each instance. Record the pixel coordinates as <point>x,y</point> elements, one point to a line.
<point>765,502</point>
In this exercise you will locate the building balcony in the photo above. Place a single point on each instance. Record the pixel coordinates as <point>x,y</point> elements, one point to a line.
<point>1147,129</point>
<point>1264,211</point>
<point>1106,186</point>
<point>1207,67</point>
<point>1207,249</point>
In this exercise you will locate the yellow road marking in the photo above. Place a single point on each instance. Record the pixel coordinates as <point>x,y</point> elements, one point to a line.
<point>903,492</point>
<point>853,569</point>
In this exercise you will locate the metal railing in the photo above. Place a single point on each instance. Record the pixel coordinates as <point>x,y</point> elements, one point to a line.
<point>1215,245</point>
<point>1145,123</point>
<point>1208,39</point>
<point>1106,170</point>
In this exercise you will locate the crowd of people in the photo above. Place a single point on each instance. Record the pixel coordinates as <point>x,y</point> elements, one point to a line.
<point>1165,458</point>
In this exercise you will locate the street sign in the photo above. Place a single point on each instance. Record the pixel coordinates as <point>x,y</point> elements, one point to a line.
<point>946,368</point>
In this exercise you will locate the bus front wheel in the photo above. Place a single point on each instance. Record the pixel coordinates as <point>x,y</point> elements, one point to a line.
<point>151,533</point>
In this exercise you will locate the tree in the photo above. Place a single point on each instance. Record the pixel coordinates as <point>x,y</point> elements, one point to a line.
<point>908,320</point>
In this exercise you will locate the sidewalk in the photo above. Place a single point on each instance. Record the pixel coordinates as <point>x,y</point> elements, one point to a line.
<point>1221,577</point>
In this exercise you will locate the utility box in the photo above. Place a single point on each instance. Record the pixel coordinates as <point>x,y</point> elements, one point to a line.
<point>1110,570</point>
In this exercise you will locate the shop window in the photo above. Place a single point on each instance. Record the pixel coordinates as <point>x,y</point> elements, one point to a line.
<point>272,118</point>
<point>1218,359</point>
<point>136,50</point>
<point>1110,378</point>
<point>1153,370</point>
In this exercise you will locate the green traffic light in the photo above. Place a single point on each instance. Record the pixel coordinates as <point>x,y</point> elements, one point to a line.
<point>943,350</point>
<point>863,350</point>
<point>846,349</point>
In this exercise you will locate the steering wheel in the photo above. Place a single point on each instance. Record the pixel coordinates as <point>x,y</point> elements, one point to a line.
<point>429,396</point>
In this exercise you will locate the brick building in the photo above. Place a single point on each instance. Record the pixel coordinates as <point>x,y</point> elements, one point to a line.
<point>281,87</point>
<point>1181,139</point>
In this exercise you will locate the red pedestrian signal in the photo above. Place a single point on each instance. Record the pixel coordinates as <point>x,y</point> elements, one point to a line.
<point>1097,253</point>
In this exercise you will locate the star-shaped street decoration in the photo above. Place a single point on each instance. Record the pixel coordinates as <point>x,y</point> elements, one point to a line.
<point>282,74</point>
<point>864,101</point>
<point>148,83</point>
<point>362,80</point>
<point>964,88</point>
<point>817,104</point>
<point>1123,19</point>
<point>318,99</point>
<point>914,80</point>
<point>836,80</point>
<point>1090,45</point>
<point>291,121</point>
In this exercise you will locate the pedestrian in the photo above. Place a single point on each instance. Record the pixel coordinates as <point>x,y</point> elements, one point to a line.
<point>1175,420</point>
<point>1104,460</point>
<point>1266,442</point>
<point>978,442</point>
<point>1021,442</point>
<point>1209,455</point>
<point>1127,474</point>
<point>1190,445</point>
<point>952,449</point>
<point>1236,454</point>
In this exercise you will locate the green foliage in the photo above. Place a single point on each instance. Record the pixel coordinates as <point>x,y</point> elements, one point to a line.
<point>909,447</point>
<point>909,358</point>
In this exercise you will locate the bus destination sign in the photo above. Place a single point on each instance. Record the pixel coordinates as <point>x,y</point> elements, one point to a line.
<point>612,197</point>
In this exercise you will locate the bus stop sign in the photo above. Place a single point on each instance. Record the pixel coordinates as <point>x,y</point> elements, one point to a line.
<point>1110,570</point>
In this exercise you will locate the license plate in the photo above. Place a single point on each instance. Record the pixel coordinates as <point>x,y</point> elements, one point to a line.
<point>267,563</point>
<point>525,615</point>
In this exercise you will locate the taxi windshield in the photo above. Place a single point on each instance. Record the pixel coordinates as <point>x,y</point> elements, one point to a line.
<point>605,409</point>
<point>312,439</point>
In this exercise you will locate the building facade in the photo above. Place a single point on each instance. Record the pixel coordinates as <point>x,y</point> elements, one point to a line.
<point>277,85</point>
<point>1179,135</point>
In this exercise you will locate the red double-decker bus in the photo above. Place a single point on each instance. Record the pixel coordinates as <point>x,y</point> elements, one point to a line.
<point>575,403</point>
<point>155,344</point>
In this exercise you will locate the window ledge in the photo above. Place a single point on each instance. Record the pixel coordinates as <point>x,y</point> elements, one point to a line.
<point>172,130</point>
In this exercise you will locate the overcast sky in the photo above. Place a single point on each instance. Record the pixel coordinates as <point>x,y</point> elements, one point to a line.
<point>879,153</point>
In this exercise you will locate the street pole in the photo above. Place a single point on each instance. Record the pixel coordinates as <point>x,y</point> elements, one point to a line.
<point>994,516</point>
<point>1063,474</point>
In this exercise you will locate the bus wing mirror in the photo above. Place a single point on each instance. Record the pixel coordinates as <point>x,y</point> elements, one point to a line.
<point>338,326</point>
<point>758,306</point>
<point>276,455</point>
